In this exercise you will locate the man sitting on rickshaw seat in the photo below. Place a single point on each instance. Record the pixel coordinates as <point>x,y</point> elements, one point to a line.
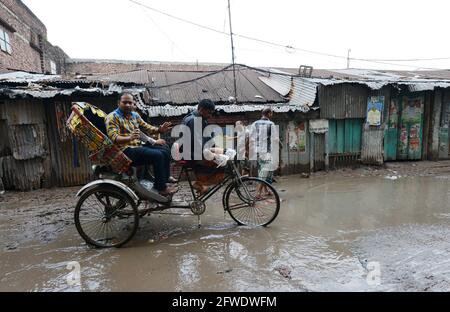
<point>124,128</point>
<point>205,169</point>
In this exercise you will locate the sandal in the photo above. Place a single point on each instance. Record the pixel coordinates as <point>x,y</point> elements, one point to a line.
<point>168,191</point>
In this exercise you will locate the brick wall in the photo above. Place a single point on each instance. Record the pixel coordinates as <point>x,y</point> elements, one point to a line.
<point>95,67</point>
<point>83,66</point>
<point>55,54</point>
<point>28,37</point>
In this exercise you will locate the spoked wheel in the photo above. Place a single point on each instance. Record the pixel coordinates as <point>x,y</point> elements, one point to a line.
<point>253,202</point>
<point>106,217</point>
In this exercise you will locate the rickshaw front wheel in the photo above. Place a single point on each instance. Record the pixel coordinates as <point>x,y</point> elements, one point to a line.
<point>252,202</point>
<point>106,217</point>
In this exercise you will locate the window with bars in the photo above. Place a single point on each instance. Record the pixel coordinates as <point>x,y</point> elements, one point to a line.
<point>5,44</point>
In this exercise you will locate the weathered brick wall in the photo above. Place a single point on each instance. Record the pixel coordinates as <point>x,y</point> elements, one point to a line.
<point>97,67</point>
<point>23,56</point>
<point>81,66</point>
<point>25,15</point>
<point>26,48</point>
<point>57,55</point>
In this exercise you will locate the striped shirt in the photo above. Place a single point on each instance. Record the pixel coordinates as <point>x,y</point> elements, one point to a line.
<point>260,133</point>
<point>119,124</point>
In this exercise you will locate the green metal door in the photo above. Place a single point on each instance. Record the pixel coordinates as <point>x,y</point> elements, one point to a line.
<point>344,136</point>
<point>391,133</point>
<point>410,128</point>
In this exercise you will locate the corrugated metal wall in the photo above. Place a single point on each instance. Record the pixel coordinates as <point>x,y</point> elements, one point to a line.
<point>372,152</point>
<point>24,161</point>
<point>343,101</point>
<point>70,165</point>
<point>4,138</point>
<point>69,160</point>
<point>23,175</point>
<point>37,148</point>
<point>444,135</point>
<point>319,151</point>
<point>372,142</point>
<point>28,141</point>
<point>344,142</point>
<point>293,159</point>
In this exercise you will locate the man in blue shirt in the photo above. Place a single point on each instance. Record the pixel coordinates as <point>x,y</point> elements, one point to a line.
<point>205,169</point>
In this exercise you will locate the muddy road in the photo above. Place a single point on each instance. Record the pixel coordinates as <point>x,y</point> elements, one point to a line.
<point>363,230</point>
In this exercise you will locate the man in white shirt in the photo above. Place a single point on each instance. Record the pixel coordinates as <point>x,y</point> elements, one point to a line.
<point>261,140</point>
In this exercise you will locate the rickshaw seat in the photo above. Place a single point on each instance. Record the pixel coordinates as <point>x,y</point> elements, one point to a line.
<point>85,123</point>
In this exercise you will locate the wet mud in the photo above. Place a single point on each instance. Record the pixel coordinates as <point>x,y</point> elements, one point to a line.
<point>359,230</point>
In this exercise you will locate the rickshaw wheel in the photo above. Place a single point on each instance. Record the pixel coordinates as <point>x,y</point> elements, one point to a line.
<point>106,217</point>
<point>247,208</point>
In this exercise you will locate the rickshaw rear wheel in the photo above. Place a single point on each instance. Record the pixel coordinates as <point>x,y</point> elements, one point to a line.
<point>247,207</point>
<point>106,217</point>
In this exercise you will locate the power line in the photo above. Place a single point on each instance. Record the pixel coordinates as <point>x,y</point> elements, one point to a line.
<point>412,60</point>
<point>227,34</point>
<point>179,18</point>
<point>163,32</point>
<point>393,64</point>
<point>223,70</point>
<point>328,54</point>
<point>192,80</point>
<point>378,61</point>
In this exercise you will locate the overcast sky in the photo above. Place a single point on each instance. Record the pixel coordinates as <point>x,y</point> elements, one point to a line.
<point>382,29</point>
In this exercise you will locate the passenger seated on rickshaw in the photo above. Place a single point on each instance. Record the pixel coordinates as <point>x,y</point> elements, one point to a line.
<point>150,142</point>
<point>124,128</point>
<point>206,165</point>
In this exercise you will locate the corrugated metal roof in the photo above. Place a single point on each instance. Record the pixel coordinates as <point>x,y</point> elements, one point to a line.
<point>52,92</point>
<point>375,80</point>
<point>423,86</point>
<point>175,111</point>
<point>300,92</point>
<point>188,87</point>
<point>304,94</point>
<point>423,74</point>
<point>354,74</point>
<point>281,84</point>
<point>26,77</point>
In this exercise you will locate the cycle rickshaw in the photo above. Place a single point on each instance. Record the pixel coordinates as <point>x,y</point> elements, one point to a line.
<point>108,210</point>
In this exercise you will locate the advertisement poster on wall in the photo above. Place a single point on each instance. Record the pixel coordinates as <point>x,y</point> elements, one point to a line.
<point>297,136</point>
<point>375,106</point>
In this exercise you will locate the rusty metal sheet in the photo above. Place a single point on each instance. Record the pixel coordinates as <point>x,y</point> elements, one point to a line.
<point>22,175</point>
<point>5,148</point>
<point>343,101</point>
<point>24,112</point>
<point>219,86</point>
<point>69,159</point>
<point>28,141</point>
<point>372,146</point>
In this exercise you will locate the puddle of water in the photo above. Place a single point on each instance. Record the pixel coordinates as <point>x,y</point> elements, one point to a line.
<point>328,231</point>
